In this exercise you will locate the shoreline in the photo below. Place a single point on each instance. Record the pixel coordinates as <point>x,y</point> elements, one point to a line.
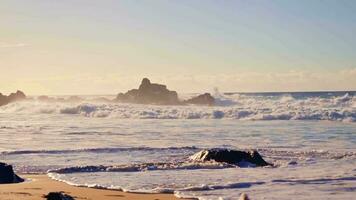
<point>40,185</point>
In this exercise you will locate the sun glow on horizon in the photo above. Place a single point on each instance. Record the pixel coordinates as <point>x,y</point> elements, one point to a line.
<point>92,47</point>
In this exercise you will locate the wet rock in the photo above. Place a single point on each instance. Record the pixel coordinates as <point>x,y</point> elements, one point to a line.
<point>58,196</point>
<point>203,99</point>
<point>230,157</point>
<point>7,174</point>
<point>149,93</point>
<point>19,95</point>
<point>293,162</point>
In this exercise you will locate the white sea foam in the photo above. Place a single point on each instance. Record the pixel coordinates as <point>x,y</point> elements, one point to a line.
<point>227,183</point>
<point>113,147</point>
<point>143,167</point>
<point>241,107</point>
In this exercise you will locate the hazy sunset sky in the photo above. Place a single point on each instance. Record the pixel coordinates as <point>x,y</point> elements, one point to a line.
<point>107,46</point>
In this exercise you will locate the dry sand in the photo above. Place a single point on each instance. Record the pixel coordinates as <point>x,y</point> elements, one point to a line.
<point>42,184</point>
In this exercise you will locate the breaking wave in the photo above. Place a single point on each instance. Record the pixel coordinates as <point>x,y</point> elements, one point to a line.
<point>279,158</point>
<point>177,192</point>
<point>235,106</point>
<point>143,167</point>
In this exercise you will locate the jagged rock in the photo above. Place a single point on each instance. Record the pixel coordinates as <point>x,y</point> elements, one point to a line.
<point>230,156</point>
<point>19,95</point>
<point>58,196</point>
<point>203,99</point>
<point>7,174</point>
<point>153,93</point>
<point>149,93</point>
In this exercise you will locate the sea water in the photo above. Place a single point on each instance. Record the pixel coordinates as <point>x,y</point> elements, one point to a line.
<point>309,137</point>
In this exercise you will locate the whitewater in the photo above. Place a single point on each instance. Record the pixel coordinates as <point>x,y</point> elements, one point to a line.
<point>309,137</point>
<point>261,106</point>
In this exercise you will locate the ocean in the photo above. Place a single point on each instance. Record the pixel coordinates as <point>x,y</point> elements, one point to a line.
<point>310,137</point>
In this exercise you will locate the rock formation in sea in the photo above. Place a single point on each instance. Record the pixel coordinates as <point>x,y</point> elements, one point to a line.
<point>153,93</point>
<point>19,95</point>
<point>230,157</point>
<point>149,93</point>
<point>7,174</point>
<point>203,99</point>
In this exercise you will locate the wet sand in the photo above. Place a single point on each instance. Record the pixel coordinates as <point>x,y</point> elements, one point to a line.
<point>42,184</point>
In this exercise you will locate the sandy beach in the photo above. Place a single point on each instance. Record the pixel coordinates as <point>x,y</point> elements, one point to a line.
<point>40,185</point>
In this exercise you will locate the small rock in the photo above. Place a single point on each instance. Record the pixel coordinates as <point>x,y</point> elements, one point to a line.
<point>203,99</point>
<point>293,162</point>
<point>58,196</point>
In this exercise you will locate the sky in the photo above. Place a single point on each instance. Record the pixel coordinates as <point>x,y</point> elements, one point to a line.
<point>107,46</point>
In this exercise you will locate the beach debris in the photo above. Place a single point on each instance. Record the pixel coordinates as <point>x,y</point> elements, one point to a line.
<point>58,196</point>
<point>7,174</point>
<point>19,95</point>
<point>244,197</point>
<point>240,158</point>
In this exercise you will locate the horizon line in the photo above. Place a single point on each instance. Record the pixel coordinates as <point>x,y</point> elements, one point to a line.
<point>257,92</point>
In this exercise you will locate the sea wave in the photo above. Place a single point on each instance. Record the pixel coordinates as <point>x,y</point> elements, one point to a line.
<point>143,167</point>
<point>240,107</point>
<point>292,156</point>
<point>177,192</point>
<point>279,158</point>
<point>198,190</point>
<point>95,150</point>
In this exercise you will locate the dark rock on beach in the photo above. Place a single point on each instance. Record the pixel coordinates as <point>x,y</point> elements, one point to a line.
<point>203,99</point>
<point>230,156</point>
<point>7,174</point>
<point>58,196</point>
<point>19,95</point>
<point>149,93</point>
